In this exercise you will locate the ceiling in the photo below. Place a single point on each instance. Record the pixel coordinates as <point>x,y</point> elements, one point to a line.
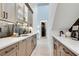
<point>42,4</point>
<point>38,4</point>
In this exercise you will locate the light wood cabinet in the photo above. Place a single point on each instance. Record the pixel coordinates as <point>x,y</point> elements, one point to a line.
<point>31,44</point>
<point>22,48</point>
<point>9,51</point>
<point>57,50</point>
<point>61,50</point>
<point>34,41</point>
<point>29,48</point>
<point>66,52</point>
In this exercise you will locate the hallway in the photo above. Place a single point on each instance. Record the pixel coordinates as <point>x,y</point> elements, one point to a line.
<point>41,48</point>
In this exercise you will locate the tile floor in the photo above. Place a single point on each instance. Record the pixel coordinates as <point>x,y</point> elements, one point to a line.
<point>41,48</point>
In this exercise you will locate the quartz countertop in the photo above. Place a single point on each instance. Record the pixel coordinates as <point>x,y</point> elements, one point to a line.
<point>71,44</point>
<point>5,42</point>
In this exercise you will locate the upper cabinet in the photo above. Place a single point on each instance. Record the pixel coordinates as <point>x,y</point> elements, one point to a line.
<point>16,12</point>
<point>20,12</point>
<point>26,13</point>
<point>0,11</point>
<point>30,15</point>
<point>8,12</point>
<point>30,18</point>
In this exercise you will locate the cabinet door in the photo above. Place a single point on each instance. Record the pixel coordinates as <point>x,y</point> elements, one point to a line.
<point>19,12</point>
<point>29,49</point>
<point>9,51</point>
<point>22,48</point>
<point>32,43</point>
<point>26,13</point>
<point>57,49</point>
<point>11,15</point>
<point>4,10</point>
<point>1,11</point>
<point>30,18</point>
<point>66,52</point>
<point>35,41</point>
<point>9,12</point>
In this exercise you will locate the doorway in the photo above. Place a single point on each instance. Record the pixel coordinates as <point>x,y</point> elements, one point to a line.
<point>43,28</point>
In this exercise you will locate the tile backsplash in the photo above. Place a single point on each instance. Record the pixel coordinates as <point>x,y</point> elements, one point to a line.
<point>6,29</point>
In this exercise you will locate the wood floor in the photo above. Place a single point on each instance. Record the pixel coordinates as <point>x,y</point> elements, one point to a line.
<point>42,48</point>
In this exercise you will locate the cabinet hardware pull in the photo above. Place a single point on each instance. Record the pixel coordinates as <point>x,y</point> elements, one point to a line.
<point>6,15</point>
<point>66,51</point>
<point>23,40</point>
<point>3,14</point>
<point>54,46</point>
<point>9,50</point>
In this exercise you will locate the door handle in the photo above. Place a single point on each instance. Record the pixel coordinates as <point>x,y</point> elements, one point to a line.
<point>9,50</point>
<point>65,51</point>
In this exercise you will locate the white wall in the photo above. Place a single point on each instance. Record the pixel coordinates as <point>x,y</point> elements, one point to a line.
<point>42,15</point>
<point>66,15</point>
<point>52,11</point>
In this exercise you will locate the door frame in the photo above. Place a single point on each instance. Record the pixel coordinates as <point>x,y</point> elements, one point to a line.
<point>45,21</point>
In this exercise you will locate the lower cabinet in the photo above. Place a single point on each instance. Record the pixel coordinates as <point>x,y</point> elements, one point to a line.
<point>29,48</point>
<point>57,48</point>
<point>66,52</point>
<point>31,44</point>
<point>61,50</point>
<point>9,51</point>
<point>24,47</point>
<point>34,40</point>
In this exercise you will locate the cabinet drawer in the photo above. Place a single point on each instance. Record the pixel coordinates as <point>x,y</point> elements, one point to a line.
<point>9,50</point>
<point>61,50</point>
<point>66,52</point>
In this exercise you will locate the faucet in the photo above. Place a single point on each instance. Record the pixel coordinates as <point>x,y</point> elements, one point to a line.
<point>61,32</point>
